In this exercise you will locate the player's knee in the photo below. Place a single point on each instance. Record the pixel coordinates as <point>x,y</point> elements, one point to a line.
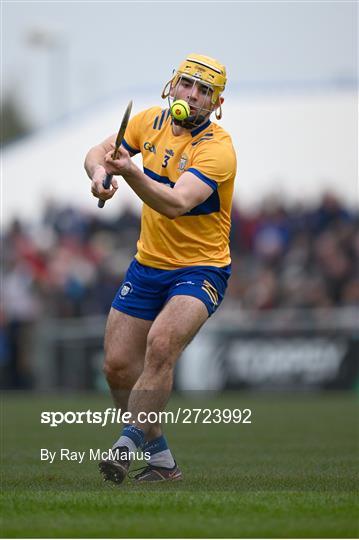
<point>109,371</point>
<point>160,354</point>
<point>115,372</point>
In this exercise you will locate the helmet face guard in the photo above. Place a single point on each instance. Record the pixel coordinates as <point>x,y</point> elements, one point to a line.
<point>208,73</point>
<point>200,114</point>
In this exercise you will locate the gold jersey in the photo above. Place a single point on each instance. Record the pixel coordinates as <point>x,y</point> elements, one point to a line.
<point>201,236</point>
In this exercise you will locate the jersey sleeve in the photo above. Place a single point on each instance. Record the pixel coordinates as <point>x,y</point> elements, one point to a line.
<point>135,128</point>
<point>214,163</point>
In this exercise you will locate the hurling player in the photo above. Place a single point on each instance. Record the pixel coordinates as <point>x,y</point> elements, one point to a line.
<point>179,275</point>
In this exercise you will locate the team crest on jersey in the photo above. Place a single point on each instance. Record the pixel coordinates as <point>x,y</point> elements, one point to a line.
<point>149,146</point>
<point>126,289</point>
<point>183,162</point>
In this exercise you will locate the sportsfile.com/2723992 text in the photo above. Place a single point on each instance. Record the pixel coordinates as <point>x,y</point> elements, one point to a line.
<point>178,416</point>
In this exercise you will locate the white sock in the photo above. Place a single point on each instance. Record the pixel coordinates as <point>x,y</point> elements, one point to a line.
<point>162,459</point>
<point>125,441</point>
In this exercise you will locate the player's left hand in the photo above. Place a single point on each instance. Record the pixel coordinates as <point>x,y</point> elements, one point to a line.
<point>119,166</point>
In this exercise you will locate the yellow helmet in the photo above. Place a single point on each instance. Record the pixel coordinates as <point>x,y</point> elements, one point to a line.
<point>202,69</point>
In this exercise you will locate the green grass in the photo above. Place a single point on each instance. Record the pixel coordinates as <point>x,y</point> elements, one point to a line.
<point>291,473</point>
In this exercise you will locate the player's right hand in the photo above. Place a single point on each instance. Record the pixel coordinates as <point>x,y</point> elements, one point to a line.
<point>97,188</point>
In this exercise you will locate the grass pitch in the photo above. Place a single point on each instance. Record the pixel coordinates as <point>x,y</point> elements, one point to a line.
<point>292,472</point>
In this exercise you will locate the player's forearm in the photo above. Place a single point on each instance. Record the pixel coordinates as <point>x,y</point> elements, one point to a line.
<point>94,158</point>
<point>160,197</point>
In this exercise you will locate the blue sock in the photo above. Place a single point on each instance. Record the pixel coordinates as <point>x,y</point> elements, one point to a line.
<point>160,454</point>
<point>132,437</point>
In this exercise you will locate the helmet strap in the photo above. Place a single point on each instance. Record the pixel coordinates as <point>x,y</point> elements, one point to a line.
<point>166,90</point>
<point>218,112</point>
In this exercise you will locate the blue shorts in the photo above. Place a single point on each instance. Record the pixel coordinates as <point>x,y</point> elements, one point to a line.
<point>145,290</point>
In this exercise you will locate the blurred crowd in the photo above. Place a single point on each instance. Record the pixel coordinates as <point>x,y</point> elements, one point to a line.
<point>296,258</point>
<point>71,263</point>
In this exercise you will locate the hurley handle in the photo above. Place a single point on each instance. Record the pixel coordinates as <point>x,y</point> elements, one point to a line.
<point>106,184</point>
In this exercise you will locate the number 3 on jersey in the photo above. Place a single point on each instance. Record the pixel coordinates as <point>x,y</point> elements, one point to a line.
<point>165,161</point>
<point>168,154</point>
